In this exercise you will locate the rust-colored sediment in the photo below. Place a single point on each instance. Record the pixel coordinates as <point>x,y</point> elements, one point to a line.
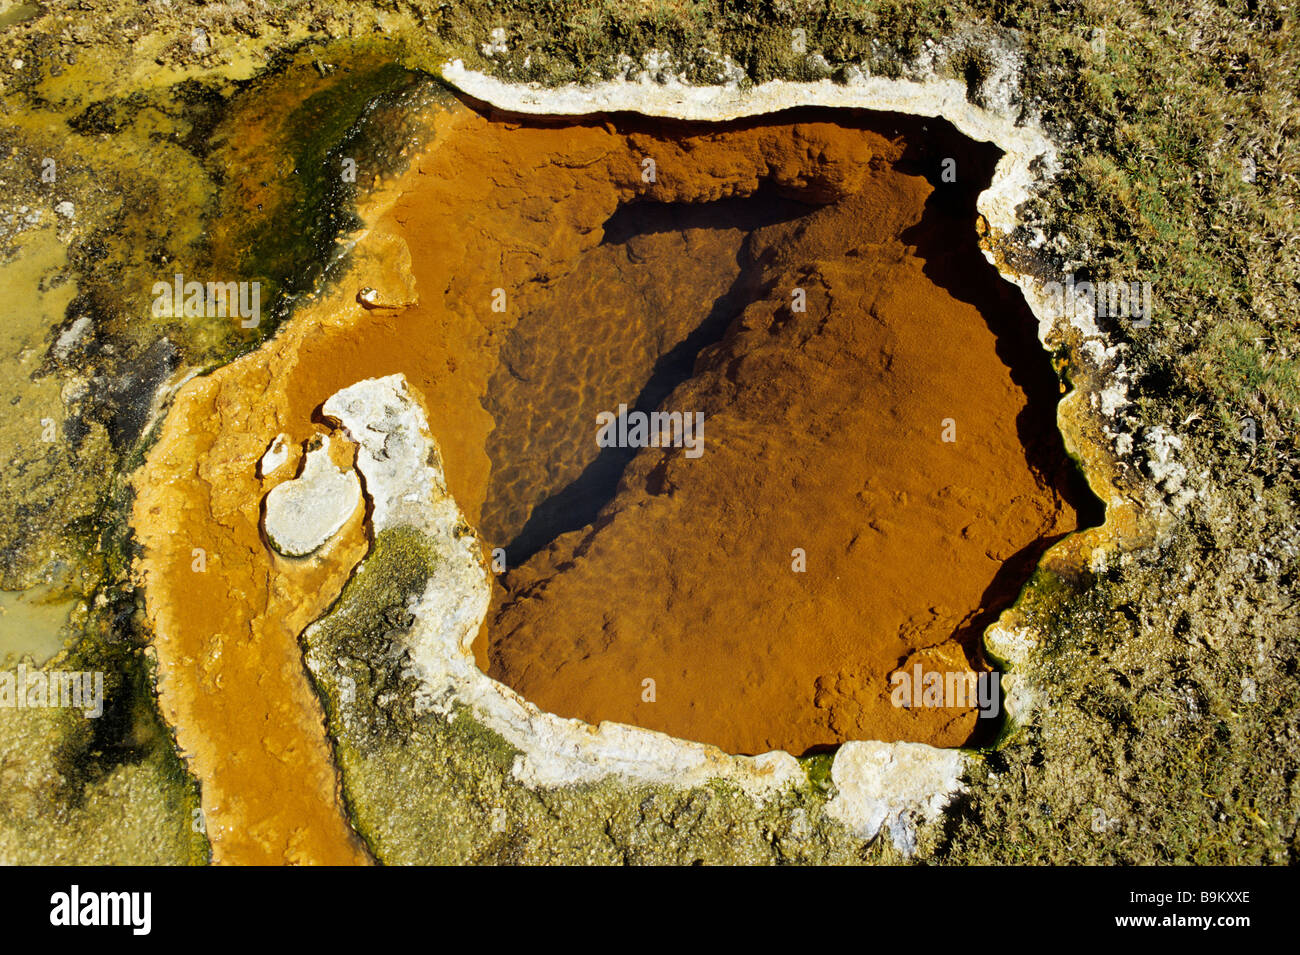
<point>822,433</point>
<point>823,443</point>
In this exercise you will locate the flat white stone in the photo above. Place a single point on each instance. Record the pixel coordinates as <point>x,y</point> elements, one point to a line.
<point>305,512</point>
<point>894,785</point>
<point>71,336</point>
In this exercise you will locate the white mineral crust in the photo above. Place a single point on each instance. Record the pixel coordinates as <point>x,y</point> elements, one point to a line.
<point>305,512</point>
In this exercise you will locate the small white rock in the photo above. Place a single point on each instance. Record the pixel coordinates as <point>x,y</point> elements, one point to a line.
<point>66,209</point>
<point>71,335</point>
<point>275,456</point>
<point>899,786</point>
<point>304,513</point>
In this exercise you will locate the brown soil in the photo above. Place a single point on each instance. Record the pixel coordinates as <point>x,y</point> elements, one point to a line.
<point>822,433</point>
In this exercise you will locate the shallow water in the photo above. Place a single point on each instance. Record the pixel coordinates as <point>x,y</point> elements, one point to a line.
<point>829,538</point>
<point>665,282</point>
<point>33,622</point>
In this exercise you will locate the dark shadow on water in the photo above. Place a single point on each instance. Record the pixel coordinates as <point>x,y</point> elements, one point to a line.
<point>948,244</point>
<point>576,505</point>
<point>946,241</point>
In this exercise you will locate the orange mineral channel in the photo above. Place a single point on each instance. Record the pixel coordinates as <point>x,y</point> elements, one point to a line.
<point>530,275</point>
